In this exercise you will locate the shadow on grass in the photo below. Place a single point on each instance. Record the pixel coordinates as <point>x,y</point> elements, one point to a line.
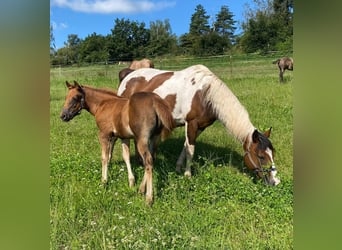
<point>169,151</point>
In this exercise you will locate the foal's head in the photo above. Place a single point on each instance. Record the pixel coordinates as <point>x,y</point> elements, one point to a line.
<point>74,102</point>
<point>259,152</point>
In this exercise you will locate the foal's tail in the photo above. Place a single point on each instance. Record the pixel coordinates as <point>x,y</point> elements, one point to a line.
<point>164,115</point>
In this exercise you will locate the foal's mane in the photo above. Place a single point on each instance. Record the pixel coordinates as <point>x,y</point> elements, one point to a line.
<point>104,91</point>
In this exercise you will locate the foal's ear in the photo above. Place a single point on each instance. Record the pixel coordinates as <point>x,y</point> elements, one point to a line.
<point>69,86</point>
<point>268,132</point>
<point>76,84</point>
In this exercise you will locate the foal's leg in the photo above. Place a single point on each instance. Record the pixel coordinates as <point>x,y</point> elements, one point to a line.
<point>146,184</point>
<point>125,156</point>
<point>107,145</point>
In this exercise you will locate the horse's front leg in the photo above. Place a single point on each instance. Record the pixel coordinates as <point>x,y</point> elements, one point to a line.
<point>107,145</point>
<point>126,156</point>
<point>191,133</point>
<point>181,159</point>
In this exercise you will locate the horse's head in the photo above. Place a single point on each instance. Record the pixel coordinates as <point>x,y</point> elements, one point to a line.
<point>74,101</point>
<point>259,152</point>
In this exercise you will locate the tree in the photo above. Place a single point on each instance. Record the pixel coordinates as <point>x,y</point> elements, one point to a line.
<point>94,49</point>
<point>162,41</point>
<point>73,45</point>
<point>128,40</point>
<point>199,22</point>
<point>52,41</point>
<point>191,42</point>
<point>269,27</point>
<point>225,25</point>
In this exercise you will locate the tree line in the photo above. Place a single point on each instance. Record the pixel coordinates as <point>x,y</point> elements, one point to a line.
<point>269,27</point>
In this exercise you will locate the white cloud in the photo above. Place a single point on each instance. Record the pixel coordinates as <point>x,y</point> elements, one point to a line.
<point>112,6</point>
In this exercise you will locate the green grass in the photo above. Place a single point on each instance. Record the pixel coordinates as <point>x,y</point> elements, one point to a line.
<point>221,207</point>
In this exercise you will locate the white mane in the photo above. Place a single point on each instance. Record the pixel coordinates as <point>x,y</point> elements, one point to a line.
<point>230,112</point>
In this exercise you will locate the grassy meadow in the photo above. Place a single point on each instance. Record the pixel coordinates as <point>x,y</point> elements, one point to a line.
<point>221,207</point>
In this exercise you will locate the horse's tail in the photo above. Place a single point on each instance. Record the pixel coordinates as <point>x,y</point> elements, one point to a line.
<point>276,61</point>
<point>164,115</point>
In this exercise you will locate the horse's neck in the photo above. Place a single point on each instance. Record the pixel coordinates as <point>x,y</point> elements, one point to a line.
<point>94,98</point>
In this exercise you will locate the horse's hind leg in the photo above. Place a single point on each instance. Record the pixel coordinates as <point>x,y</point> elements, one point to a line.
<point>107,145</point>
<point>146,184</point>
<point>126,157</point>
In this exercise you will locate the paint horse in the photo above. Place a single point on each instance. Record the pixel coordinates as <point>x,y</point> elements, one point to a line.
<point>144,117</point>
<point>283,64</point>
<point>197,97</point>
<point>143,63</point>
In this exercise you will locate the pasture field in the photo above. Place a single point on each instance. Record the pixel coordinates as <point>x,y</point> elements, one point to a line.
<point>221,207</point>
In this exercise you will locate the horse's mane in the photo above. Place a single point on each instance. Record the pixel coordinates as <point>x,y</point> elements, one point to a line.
<point>228,109</point>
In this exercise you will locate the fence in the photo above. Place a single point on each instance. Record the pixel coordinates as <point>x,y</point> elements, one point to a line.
<point>229,64</point>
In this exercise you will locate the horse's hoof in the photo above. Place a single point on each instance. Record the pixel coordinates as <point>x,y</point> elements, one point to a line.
<point>141,190</point>
<point>131,183</point>
<point>149,201</point>
<point>187,174</point>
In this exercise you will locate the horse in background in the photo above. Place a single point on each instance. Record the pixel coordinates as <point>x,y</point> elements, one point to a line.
<point>144,63</point>
<point>144,117</point>
<point>197,98</point>
<point>283,64</point>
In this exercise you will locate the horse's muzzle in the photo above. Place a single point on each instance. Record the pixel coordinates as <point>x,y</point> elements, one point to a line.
<point>65,116</point>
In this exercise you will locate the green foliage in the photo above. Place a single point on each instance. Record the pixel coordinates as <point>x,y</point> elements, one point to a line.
<point>269,28</point>
<point>162,41</point>
<point>223,206</point>
<point>93,49</point>
<point>128,40</point>
<point>225,24</point>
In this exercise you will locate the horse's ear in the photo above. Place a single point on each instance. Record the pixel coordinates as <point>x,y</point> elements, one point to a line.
<point>69,86</point>
<point>76,84</point>
<point>255,136</point>
<point>268,132</point>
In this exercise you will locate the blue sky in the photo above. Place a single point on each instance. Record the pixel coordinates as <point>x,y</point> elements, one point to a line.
<point>83,17</point>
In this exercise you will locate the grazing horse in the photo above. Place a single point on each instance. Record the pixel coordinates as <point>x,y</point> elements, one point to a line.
<point>283,64</point>
<point>144,117</point>
<point>144,63</point>
<point>197,97</point>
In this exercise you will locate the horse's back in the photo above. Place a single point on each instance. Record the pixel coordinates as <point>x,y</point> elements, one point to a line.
<point>147,109</point>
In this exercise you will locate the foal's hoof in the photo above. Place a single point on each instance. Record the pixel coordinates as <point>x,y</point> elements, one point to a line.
<point>149,201</point>
<point>141,190</point>
<point>131,183</point>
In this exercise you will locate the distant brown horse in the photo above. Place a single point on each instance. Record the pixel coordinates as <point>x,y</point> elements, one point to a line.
<point>144,117</point>
<point>283,64</point>
<point>144,63</point>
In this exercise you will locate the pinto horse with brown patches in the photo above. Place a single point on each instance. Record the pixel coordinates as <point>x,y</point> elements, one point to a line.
<point>283,64</point>
<point>197,97</point>
<point>144,117</point>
